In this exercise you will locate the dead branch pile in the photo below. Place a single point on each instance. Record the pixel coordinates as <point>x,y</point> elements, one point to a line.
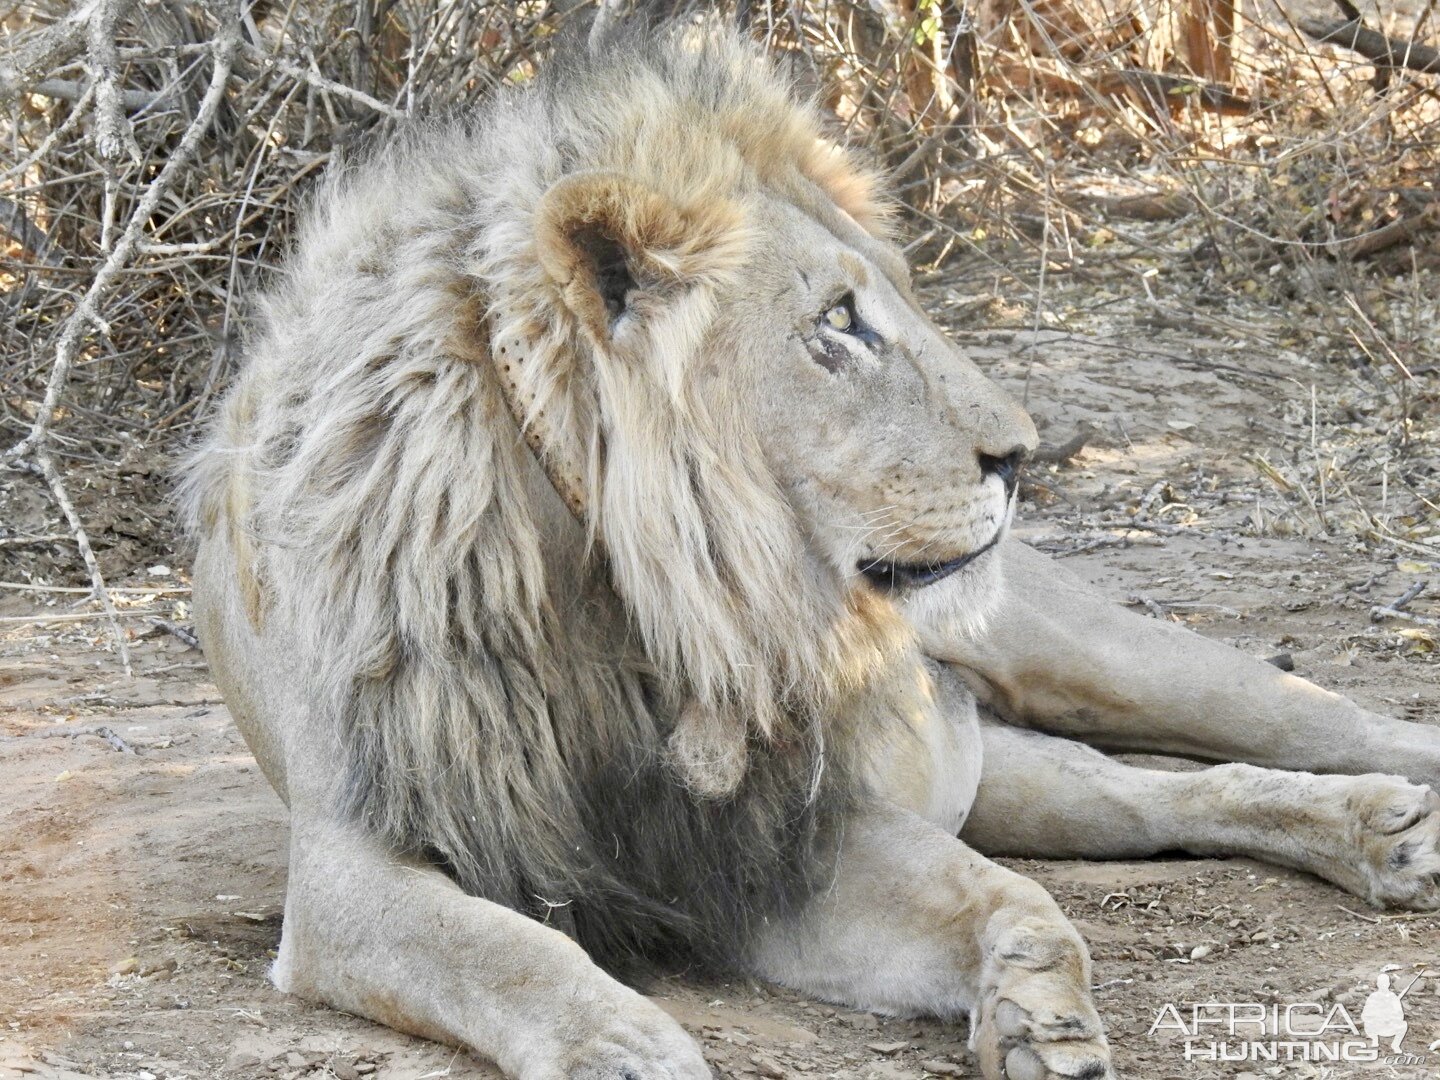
<point>153,155</point>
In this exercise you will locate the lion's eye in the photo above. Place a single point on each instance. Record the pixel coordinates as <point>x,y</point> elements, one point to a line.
<point>841,316</point>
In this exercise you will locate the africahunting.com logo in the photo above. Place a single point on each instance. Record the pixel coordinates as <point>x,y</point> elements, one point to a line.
<point>1253,1031</point>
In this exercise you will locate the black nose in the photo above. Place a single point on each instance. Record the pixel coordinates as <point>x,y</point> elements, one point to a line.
<point>1007,468</point>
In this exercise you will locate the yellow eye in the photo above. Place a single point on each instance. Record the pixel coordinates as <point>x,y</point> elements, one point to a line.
<point>839,317</point>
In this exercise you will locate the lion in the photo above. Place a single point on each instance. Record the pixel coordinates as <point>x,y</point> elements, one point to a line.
<point>606,559</point>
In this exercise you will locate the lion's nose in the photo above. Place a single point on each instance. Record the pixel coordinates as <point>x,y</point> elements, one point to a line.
<point>1005,466</point>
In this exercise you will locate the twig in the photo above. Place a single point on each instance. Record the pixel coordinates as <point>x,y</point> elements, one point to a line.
<point>1405,599</point>
<point>1376,614</point>
<point>140,590</point>
<point>605,18</point>
<point>1049,544</point>
<point>311,78</point>
<point>1154,607</point>
<point>87,312</point>
<point>87,553</point>
<point>1381,920</point>
<point>1361,915</point>
<point>17,224</point>
<point>1064,452</point>
<point>103,731</point>
<point>74,616</point>
<point>80,95</point>
<point>1396,608</point>
<point>179,632</point>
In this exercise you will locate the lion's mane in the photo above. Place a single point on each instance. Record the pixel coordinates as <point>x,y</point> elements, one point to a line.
<point>504,677</point>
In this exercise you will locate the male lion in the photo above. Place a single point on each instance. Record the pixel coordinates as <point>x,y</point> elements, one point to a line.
<point>603,555</point>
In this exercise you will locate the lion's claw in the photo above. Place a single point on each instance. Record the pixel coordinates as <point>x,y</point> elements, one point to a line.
<point>1036,1019</point>
<point>1072,1049</point>
<point>629,1038</point>
<point>1397,830</point>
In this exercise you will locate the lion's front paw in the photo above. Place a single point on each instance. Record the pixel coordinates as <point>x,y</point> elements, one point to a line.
<point>622,1038</point>
<point>1036,1020</point>
<point>1398,832</point>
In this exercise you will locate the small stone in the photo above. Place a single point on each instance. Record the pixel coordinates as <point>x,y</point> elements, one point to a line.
<point>343,1070</point>
<point>887,1047</point>
<point>1199,952</point>
<point>942,1068</point>
<point>765,1067</point>
<point>296,1060</point>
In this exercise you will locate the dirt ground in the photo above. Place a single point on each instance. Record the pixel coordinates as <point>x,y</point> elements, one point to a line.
<point>141,886</point>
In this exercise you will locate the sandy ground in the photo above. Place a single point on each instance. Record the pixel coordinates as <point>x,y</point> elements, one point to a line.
<point>140,893</point>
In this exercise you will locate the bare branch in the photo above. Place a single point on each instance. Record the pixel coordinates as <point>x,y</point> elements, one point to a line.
<point>45,466</point>
<point>315,79</point>
<point>1374,46</point>
<point>73,90</point>
<point>114,138</point>
<point>39,54</point>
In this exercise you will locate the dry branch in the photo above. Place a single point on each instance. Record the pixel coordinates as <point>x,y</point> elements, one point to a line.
<point>1059,455</point>
<point>45,465</point>
<point>114,137</point>
<point>66,90</point>
<point>1374,46</point>
<point>311,78</point>
<point>41,53</point>
<point>1164,93</point>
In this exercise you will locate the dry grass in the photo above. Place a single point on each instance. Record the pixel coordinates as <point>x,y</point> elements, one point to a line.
<point>1253,184</point>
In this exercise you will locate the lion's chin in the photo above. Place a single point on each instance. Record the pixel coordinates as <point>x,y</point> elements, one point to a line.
<point>957,607</point>
<point>891,576</point>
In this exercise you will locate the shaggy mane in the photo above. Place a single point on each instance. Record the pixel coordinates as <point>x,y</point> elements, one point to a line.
<point>504,676</point>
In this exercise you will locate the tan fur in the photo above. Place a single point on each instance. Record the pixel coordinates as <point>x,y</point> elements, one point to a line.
<point>537,559</point>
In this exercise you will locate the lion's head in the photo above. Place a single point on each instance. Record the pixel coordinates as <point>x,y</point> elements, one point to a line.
<point>705,324</point>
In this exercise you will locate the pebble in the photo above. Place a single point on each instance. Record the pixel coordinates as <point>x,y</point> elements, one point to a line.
<point>766,1067</point>
<point>942,1068</point>
<point>887,1048</point>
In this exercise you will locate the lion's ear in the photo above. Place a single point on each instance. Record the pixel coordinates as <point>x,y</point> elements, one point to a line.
<point>616,247</point>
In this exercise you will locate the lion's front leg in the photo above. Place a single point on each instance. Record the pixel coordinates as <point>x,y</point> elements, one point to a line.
<point>400,944</point>
<point>918,923</point>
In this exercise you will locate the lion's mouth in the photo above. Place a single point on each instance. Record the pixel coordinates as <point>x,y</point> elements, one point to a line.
<point>891,576</point>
